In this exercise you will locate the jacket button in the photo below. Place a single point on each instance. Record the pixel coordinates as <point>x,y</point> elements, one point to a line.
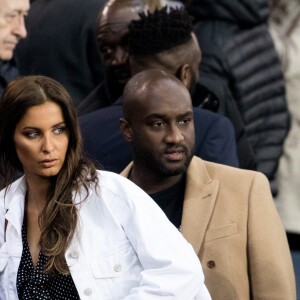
<point>88,292</point>
<point>74,254</point>
<point>211,264</point>
<point>118,268</point>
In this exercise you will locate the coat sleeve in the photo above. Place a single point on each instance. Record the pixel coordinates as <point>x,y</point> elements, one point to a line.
<point>270,265</point>
<point>171,268</point>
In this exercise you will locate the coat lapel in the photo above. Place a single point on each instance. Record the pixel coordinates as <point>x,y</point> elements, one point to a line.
<point>127,170</point>
<point>200,197</point>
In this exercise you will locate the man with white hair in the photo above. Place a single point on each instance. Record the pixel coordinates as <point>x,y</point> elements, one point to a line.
<point>12,29</point>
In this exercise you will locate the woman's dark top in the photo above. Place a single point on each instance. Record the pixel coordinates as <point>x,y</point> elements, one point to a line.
<point>33,283</point>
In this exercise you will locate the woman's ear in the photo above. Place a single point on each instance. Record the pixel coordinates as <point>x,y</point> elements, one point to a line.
<point>184,75</point>
<point>126,130</point>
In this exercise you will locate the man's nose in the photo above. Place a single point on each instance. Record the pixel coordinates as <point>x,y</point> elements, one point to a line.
<point>19,27</point>
<point>174,135</point>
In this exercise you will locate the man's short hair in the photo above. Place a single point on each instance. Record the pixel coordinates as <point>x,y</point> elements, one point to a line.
<point>159,31</point>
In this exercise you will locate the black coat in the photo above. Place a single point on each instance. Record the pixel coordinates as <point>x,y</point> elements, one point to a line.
<point>237,47</point>
<point>61,44</point>
<point>98,98</point>
<point>8,72</point>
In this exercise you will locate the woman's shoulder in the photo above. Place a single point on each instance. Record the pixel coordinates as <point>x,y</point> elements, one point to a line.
<point>116,183</point>
<point>115,186</point>
<point>9,193</point>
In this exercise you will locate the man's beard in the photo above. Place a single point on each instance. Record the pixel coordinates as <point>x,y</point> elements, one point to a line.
<point>157,165</point>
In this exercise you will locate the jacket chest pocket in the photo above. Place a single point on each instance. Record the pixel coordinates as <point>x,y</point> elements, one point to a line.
<point>118,272</point>
<point>222,232</point>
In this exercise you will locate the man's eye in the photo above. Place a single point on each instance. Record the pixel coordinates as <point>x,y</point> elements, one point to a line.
<point>106,52</point>
<point>103,50</point>
<point>11,17</point>
<point>107,57</point>
<point>184,121</point>
<point>158,124</point>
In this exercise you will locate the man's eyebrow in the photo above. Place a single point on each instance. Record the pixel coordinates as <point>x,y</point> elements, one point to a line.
<point>162,116</point>
<point>18,11</point>
<point>188,113</point>
<point>185,115</point>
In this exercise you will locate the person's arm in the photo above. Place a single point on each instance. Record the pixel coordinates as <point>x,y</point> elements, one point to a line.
<point>270,266</point>
<point>172,270</point>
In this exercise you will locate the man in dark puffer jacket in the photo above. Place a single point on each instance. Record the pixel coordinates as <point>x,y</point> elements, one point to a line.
<point>236,46</point>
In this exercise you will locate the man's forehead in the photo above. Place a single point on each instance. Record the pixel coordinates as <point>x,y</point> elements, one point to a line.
<point>117,19</point>
<point>164,105</point>
<point>14,5</point>
<point>107,29</point>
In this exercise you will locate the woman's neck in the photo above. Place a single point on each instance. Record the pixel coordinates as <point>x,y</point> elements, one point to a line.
<point>36,195</point>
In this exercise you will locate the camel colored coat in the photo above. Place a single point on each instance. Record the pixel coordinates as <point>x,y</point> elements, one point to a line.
<point>230,219</point>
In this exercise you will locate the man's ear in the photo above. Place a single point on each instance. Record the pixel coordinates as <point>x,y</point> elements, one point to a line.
<point>184,75</point>
<point>126,130</point>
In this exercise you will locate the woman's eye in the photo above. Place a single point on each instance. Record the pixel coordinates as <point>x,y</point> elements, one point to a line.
<point>32,134</point>
<point>59,130</point>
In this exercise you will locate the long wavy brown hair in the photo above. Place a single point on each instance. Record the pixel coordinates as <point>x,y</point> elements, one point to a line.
<point>59,218</point>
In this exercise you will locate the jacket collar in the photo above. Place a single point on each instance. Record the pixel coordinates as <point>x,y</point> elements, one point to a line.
<point>14,202</point>
<point>199,201</point>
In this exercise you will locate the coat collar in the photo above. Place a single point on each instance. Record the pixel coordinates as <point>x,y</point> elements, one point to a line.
<point>199,201</point>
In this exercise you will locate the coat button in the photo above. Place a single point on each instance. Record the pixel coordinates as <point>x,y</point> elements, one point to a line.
<point>88,292</point>
<point>74,254</point>
<point>118,268</point>
<point>211,264</point>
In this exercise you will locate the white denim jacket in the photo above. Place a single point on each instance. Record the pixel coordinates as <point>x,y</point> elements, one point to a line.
<point>124,246</point>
